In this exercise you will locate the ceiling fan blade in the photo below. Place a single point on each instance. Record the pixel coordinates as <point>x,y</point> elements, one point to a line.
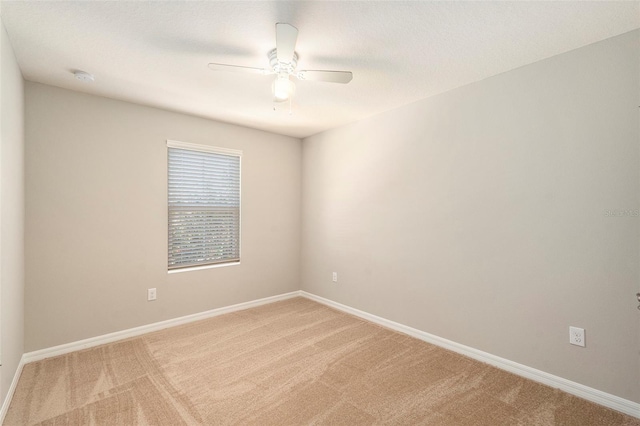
<point>342,77</point>
<point>286,36</point>
<point>238,68</point>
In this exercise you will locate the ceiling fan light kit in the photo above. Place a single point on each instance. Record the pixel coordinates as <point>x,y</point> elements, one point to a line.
<point>283,61</point>
<point>283,88</point>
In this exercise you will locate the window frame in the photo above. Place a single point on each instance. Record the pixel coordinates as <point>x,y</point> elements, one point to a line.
<point>207,149</point>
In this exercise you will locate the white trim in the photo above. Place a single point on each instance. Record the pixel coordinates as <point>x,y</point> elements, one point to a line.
<point>12,389</point>
<point>206,148</point>
<point>608,400</point>
<point>136,331</point>
<point>599,397</point>
<point>197,268</point>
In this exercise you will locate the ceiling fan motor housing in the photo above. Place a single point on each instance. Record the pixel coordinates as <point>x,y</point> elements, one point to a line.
<point>280,67</point>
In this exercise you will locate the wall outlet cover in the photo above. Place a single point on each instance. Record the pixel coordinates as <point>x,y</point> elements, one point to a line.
<point>576,336</point>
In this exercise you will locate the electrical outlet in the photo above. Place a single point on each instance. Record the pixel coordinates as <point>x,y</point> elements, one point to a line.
<point>335,277</point>
<point>151,294</point>
<point>576,336</point>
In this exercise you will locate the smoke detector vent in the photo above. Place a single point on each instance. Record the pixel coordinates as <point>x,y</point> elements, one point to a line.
<point>83,76</point>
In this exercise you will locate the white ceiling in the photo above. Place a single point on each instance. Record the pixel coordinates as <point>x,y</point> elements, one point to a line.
<point>156,53</point>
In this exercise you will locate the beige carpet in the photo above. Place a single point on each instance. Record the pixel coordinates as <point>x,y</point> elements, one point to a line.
<point>287,363</point>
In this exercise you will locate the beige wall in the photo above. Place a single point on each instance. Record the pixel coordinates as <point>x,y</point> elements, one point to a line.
<point>11,214</point>
<point>96,217</point>
<point>479,215</point>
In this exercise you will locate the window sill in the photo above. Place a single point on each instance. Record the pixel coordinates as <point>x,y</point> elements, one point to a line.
<point>197,268</point>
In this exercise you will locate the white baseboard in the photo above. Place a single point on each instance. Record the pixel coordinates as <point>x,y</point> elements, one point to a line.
<point>611,401</point>
<point>590,394</point>
<point>136,331</point>
<point>12,388</point>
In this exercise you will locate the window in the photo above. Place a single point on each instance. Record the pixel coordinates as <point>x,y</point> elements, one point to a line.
<point>204,205</point>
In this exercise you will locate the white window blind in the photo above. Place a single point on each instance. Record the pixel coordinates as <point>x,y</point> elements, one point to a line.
<point>204,205</point>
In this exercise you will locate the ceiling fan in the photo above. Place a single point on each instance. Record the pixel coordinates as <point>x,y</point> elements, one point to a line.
<point>282,63</point>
